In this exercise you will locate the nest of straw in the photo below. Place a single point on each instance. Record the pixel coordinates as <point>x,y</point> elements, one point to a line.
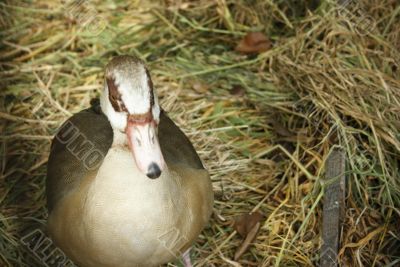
<point>263,124</point>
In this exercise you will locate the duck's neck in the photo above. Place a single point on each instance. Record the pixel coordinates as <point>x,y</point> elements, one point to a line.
<point>120,139</point>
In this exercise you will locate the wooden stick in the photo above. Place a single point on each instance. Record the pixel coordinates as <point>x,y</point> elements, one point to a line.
<point>333,207</point>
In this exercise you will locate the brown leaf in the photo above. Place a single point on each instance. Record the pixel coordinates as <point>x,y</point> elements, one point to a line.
<point>237,90</point>
<point>245,223</point>
<point>247,241</point>
<point>247,226</point>
<point>253,42</point>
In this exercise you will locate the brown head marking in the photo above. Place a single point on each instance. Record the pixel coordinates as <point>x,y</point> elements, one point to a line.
<point>150,84</point>
<point>115,96</point>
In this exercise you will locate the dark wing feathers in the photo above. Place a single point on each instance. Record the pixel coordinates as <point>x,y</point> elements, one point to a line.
<point>85,138</point>
<point>175,146</point>
<point>86,134</point>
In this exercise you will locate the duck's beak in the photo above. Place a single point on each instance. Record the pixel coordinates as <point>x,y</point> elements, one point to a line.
<point>143,142</point>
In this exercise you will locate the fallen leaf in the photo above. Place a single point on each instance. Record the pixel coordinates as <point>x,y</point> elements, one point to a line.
<point>247,241</point>
<point>247,226</point>
<point>237,90</point>
<point>246,222</point>
<point>253,42</point>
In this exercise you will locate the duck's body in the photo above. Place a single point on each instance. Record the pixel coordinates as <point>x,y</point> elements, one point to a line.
<point>110,213</point>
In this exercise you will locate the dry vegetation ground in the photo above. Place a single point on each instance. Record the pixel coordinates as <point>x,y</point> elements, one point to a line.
<point>263,124</point>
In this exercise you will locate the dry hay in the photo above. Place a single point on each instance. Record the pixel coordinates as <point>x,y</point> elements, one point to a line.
<point>329,79</point>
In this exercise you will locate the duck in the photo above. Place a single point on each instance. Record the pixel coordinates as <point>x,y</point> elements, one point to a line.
<point>124,185</point>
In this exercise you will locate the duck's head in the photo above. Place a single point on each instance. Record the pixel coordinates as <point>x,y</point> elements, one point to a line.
<point>131,106</point>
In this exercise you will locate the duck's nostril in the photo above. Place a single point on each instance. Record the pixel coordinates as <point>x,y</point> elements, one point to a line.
<point>153,171</point>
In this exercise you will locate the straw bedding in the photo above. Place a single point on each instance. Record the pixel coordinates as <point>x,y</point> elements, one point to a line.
<point>262,123</point>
